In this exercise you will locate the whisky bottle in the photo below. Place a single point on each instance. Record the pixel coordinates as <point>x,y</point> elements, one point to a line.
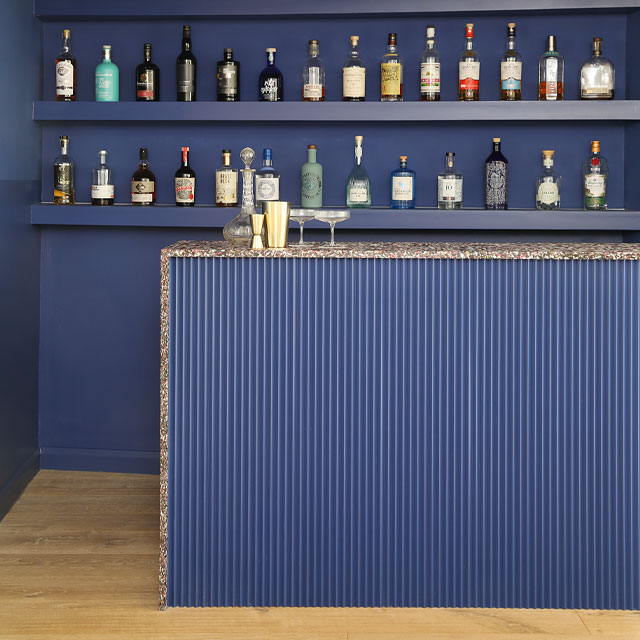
<point>147,78</point>
<point>226,182</point>
<point>354,75</point>
<point>143,182</point>
<point>430,68</point>
<point>66,71</point>
<point>228,77</point>
<point>469,70</point>
<point>496,179</point>
<point>107,78</point>
<point>391,82</point>
<point>185,182</point>
<point>449,184</point>
<point>187,67</point>
<point>63,178</point>
<point>313,75</point>
<point>267,180</point>
<point>403,186</point>
<point>511,68</point>
<point>551,73</point>
<point>595,170</point>
<point>358,185</point>
<point>548,184</point>
<point>311,181</point>
<point>597,76</point>
<point>102,192</point>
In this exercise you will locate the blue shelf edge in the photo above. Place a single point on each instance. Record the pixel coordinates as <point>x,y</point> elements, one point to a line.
<point>376,218</point>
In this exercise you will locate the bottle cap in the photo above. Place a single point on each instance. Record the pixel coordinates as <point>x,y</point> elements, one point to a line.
<point>595,146</point>
<point>312,146</point>
<point>147,46</point>
<point>106,47</point>
<point>64,138</point>
<point>66,33</point>
<point>551,43</point>
<point>393,38</point>
<point>186,27</point>
<point>354,39</point>
<point>102,151</point>
<point>314,42</point>
<point>548,153</point>
<point>469,30</point>
<point>228,52</point>
<point>266,154</point>
<point>431,31</point>
<point>359,138</point>
<point>185,148</point>
<point>597,39</point>
<point>403,158</point>
<point>450,154</point>
<point>270,49</point>
<point>496,139</point>
<point>511,26</point>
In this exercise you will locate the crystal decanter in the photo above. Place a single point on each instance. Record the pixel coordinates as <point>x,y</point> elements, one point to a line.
<point>239,231</point>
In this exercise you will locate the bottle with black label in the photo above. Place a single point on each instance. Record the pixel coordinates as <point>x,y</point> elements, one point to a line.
<point>187,68</point>
<point>185,182</point>
<point>147,78</point>
<point>228,78</point>
<point>102,191</point>
<point>66,71</point>
<point>143,182</point>
<point>63,183</point>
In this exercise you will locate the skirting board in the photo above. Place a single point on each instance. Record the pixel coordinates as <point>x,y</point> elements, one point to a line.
<point>18,482</point>
<point>119,461</point>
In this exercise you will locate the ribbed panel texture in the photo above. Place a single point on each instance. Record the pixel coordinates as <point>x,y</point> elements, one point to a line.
<point>404,433</point>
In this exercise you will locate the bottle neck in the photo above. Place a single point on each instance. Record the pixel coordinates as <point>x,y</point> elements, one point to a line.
<point>106,55</point>
<point>64,147</point>
<point>147,55</point>
<point>358,152</point>
<point>144,164</point>
<point>597,49</point>
<point>431,43</point>
<point>448,162</point>
<point>469,44</point>
<point>496,147</point>
<point>547,163</point>
<point>66,45</point>
<point>354,51</point>
<point>185,158</point>
<point>511,43</point>
<point>102,159</point>
<point>186,43</point>
<point>314,51</point>
<point>403,164</point>
<point>392,48</point>
<point>311,155</point>
<point>267,162</point>
<point>228,57</point>
<point>271,59</point>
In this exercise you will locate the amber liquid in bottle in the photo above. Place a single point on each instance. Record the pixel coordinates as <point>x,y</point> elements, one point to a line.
<point>542,91</point>
<point>66,71</point>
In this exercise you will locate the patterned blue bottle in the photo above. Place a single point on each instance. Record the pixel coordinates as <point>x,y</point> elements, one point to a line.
<point>496,179</point>
<point>403,186</point>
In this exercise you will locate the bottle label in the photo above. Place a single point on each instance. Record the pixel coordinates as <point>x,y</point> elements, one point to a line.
<point>449,189</point>
<point>64,78</point>
<point>495,184</point>
<point>401,188</point>
<point>63,180</point>
<point>511,75</point>
<point>267,188</point>
<point>548,192</point>
<point>145,86</point>
<point>105,87</point>
<point>226,186</point>
<point>185,189</point>
<point>390,79</point>
<point>469,75</point>
<point>102,191</point>
<point>312,91</point>
<point>430,77</point>
<point>360,194</point>
<point>269,89</point>
<point>186,78</point>
<point>142,190</point>
<point>551,78</point>
<point>353,82</point>
<point>594,186</point>
<point>311,185</point>
<point>228,80</point>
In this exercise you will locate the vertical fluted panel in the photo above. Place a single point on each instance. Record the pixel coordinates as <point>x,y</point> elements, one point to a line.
<point>404,433</point>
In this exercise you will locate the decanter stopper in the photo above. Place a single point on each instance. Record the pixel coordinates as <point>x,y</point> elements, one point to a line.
<point>247,155</point>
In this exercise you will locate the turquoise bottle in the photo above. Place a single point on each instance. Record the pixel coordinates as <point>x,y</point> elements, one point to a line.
<point>311,181</point>
<point>107,78</point>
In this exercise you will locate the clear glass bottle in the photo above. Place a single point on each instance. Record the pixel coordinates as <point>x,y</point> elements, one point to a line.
<point>267,180</point>
<point>403,186</point>
<point>548,184</point>
<point>143,182</point>
<point>63,175</point>
<point>66,71</point>
<point>107,78</point>
<point>511,68</point>
<point>270,82</point>
<point>147,78</point>
<point>496,184</point>
<point>239,230</point>
<point>102,191</point>
<point>430,68</point>
<point>228,77</point>
<point>551,73</point>
<point>358,185</point>
<point>186,69</point>
<point>354,75</point>
<point>469,70</point>
<point>313,75</point>
<point>185,182</point>
<point>449,184</point>
<point>311,181</point>
<point>597,75</point>
<point>227,182</point>
<point>595,170</point>
<point>391,82</point>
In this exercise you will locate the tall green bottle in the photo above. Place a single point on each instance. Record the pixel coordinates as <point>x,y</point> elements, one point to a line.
<point>107,78</point>
<point>311,181</point>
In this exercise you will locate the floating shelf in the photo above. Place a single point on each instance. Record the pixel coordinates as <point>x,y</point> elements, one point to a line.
<point>376,218</point>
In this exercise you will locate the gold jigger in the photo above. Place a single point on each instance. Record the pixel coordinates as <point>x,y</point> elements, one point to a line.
<point>257,222</point>
<point>277,215</point>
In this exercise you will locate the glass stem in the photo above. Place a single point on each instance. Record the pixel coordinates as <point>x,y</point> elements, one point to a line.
<point>301,233</point>
<point>333,228</point>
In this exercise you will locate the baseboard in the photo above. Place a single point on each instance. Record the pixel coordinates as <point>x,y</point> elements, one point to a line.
<point>18,482</point>
<point>115,460</point>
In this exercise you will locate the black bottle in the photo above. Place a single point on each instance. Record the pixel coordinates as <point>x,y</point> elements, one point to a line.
<point>187,68</point>
<point>185,182</point>
<point>496,179</point>
<point>147,78</point>
<point>228,78</point>
<point>270,87</point>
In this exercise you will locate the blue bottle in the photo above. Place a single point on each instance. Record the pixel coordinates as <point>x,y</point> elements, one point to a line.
<point>107,78</point>
<point>403,186</point>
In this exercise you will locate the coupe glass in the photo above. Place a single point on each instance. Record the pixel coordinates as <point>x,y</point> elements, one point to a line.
<point>301,216</point>
<point>332,216</point>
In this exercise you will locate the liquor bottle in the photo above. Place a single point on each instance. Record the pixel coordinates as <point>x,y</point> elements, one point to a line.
<point>143,183</point>
<point>597,75</point>
<point>496,179</point>
<point>551,73</point>
<point>353,75</point>
<point>228,78</point>
<point>511,68</point>
<point>226,182</point>
<point>102,192</point>
<point>107,78</point>
<point>548,184</point>
<point>391,82</point>
<point>270,83</point>
<point>595,170</point>
<point>449,184</point>
<point>311,181</point>
<point>63,178</point>
<point>430,68</point>
<point>185,182</point>
<point>403,186</point>
<point>66,71</point>
<point>358,185</point>
<point>469,70</point>
<point>147,78</point>
<point>187,67</point>
<point>267,180</point>
<point>313,75</point>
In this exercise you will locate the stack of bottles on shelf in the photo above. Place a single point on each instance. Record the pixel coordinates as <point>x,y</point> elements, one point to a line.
<point>597,74</point>
<point>358,185</point>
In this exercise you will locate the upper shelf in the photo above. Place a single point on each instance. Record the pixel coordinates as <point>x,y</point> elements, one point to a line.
<point>146,9</point>
<point>336,111</point>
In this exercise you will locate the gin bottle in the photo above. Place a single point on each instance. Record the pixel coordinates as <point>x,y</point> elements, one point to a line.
<point>270,83</point>
<point>313,75</point>
<point>449,184</point>
<point>353,75</point>
<point>107,78</point>
<point>358,186</point>
<point>511,68</point>
<point>597,75</point>
<point>311,181</point>
<point>102,191</point>
<point>551,73</point>
<point>391,82</point>
<point>430,68</point>
<point>496,179</point>
<point>548,184</point>
<point>403,186</point>
<point>595,170</point>
<point>267,180</point>
<point>63,178</point>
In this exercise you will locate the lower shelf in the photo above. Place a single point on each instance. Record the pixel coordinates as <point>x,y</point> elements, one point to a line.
<point>376,218</point>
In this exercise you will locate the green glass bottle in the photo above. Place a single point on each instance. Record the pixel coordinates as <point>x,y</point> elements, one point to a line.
<point>311,181</point>
<point>107,78</point>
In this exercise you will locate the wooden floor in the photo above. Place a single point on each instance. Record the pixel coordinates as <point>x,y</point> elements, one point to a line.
<point>79,557</point>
